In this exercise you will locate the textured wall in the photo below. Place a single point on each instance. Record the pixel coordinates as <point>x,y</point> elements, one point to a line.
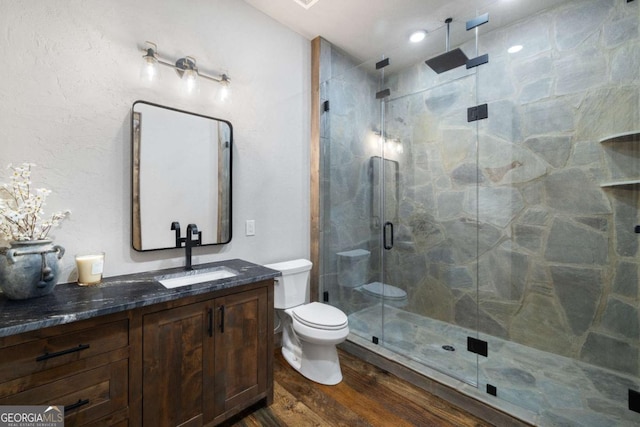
<point>71,74</point>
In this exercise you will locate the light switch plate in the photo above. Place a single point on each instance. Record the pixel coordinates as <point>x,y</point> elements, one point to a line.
<point>250,227</point>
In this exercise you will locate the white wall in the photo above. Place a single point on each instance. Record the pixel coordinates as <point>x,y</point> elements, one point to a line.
<point>70,75</point>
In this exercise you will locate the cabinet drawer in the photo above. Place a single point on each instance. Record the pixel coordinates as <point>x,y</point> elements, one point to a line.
<point>86,396</point>
<point>31,357</point>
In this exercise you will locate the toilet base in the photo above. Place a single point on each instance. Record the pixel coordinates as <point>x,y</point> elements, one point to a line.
<point>318,363</point>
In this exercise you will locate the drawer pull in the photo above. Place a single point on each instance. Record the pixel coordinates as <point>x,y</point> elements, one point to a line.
<point>62,353</point>
<point>221,318</point>
<point>79,403</point>
<point>210,329</point>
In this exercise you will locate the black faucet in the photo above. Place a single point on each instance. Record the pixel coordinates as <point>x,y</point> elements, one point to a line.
<point>189,243</point>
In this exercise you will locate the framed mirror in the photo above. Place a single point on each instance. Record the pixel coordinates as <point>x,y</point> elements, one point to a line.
<point>181,171</point>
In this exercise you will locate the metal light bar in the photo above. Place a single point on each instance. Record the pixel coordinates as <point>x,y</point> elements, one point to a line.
<point>182,65</point>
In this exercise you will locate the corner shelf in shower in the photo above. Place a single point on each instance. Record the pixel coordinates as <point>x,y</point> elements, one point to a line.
<point>623,183</point>
<point>634,137</point>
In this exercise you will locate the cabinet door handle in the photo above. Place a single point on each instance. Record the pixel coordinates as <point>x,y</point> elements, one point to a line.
<point>79,403</point>
<point>62,352</point>
<point>222,318</point>
<point>210,329</point>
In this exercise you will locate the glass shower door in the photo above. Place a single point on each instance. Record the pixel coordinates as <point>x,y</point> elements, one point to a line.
<point>350,140</point>
<point>399,230</point>
<point>429,290</point>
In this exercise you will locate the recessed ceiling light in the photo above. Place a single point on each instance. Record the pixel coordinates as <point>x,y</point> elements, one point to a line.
<point>417,36</point>
<point>515,49</point>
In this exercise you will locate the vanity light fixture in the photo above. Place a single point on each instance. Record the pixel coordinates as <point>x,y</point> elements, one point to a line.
<point>186,68</point>
<point>225,90</point>
<point>149,70</point>
<point>188,71</point>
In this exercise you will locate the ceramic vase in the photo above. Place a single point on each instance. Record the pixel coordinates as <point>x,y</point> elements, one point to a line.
<point>29,269</point>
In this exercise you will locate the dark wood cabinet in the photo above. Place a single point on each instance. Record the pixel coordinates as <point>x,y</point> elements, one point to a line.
<point>191,361</point>
<point>176,348</point>
<point>204,362</point>
<point>83,366</point>
<point>240,369</point>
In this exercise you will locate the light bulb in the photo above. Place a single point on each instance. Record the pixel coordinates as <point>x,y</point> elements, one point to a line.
<point>190,80</point>
<point>149,70</point>
<point>224,91</point>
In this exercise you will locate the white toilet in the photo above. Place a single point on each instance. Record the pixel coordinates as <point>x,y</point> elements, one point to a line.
<point>353,271</point>
<point>310,331</point>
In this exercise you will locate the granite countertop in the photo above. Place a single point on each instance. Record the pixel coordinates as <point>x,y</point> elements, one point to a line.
<point>69,302</point>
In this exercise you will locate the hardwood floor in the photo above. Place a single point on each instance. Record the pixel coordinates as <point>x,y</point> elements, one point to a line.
<point>367,396</point>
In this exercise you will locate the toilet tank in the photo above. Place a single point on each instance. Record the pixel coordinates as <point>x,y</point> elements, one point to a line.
<point>353,267</point>
<point>292,289</point>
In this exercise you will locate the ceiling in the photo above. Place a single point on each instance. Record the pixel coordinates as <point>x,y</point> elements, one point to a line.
<point>368,29</point>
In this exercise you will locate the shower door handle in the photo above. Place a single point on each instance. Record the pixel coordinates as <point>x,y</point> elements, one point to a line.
<point>388,229</point>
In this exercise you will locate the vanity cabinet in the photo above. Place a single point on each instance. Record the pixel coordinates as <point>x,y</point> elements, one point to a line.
<point>146,355</point>
<point>243,358</point>
<point>176,349</point>
<point>205,361</point>
<point>83,366</point>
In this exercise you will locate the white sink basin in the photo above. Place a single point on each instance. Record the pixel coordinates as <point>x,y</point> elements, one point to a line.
<point>195,276</point>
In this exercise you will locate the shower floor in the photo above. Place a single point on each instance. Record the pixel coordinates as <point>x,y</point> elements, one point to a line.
<point>539,387</point>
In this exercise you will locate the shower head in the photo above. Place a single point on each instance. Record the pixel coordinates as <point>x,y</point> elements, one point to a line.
<point>450,59</point>
<point>447,61</point>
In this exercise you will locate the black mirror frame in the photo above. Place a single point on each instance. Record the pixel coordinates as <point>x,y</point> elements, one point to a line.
<point>135,184</point>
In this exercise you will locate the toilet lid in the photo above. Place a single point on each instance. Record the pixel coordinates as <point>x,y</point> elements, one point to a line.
<point>388,291</point>
<point>320,316</point>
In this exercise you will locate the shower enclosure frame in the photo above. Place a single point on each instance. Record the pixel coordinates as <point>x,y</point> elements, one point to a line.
<point>319,105</point>
<point>579,123</point>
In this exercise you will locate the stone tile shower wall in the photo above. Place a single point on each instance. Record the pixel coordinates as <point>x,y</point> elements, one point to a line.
<point>347,134</point>
<point>558,259</point>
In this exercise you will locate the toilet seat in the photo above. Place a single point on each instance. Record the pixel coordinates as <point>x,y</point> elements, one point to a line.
<point>389,292</point>
<point>320,316</point>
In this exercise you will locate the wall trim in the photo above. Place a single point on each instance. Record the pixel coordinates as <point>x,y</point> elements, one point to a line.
<point>315,170</point>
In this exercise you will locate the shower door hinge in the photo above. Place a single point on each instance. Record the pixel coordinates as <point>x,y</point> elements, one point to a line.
<point>382,64</point>
<point>374,340</point>
<point>634,400</point>
<point>492,390</point>
<point>478,60</point>
<point>478,112</point>
<point>325,296</point>
<point>474,345</point>
<point>383,93</point>
<point>477,21</point>
<point>325,106</point>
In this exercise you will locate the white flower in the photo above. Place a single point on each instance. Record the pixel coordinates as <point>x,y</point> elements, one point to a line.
<point>21,211</point>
